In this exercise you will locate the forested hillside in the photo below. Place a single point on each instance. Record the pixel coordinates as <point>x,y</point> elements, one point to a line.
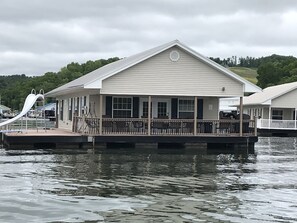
<point>264,71</point>
<point>272,70</point>
<point>14,89</point>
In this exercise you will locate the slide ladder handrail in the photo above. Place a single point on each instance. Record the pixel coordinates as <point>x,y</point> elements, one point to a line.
<point>29,103</point>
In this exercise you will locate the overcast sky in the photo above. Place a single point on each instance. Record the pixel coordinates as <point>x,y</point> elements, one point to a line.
<point>37,36</point>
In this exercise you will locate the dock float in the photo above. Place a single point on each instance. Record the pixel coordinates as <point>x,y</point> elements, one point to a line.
<point>61,138</point>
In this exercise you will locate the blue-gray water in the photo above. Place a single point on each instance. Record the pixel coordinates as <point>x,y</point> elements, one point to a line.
<point>150,186</point>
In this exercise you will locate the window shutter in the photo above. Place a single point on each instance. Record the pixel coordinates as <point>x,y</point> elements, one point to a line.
<point>174,104</point>
<point>200,109</point>
<point>135,107</point>
<point>108,106</point>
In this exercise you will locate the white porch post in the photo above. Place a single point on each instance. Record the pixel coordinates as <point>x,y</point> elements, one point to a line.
<point>269,116</point>
<point>100,113</point>
<point>240,116</point>
<point>195,115</point>
<point>149,115</point>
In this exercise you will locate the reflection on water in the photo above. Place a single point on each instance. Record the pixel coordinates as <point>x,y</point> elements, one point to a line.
<point>150,185</point>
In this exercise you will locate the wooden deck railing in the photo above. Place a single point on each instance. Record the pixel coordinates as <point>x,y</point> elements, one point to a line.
<point>178,127</point>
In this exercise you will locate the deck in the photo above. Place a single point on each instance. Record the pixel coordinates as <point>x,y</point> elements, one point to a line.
<point>93,131</point>
<point>42,138</point>
<point>58,138</point>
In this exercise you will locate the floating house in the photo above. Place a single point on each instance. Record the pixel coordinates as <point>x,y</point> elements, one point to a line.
<point>166,94</point>
<point>275,109</point>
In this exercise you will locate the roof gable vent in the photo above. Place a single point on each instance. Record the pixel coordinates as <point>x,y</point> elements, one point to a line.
<point>174,56</point>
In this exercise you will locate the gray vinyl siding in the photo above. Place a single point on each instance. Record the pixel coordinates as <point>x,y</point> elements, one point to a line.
<point>210,108</point>
<point>288,100</point>
<point>266,113</point>
<point>66,123</point>
<point>160,76</point>
<point>94,105</point>
<point>287,114</point>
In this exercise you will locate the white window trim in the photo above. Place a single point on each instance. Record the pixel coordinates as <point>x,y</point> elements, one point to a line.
<point>184,99</point>
<point>277,110</point>
<point>131,110</point>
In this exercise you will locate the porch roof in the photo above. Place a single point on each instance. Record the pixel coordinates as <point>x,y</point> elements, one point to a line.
<point>93,80</point>
<point>268,94</point>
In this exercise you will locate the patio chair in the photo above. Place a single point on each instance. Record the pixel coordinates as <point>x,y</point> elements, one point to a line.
<point>107,126</point>
<point>121,126</point>
<point>159,126</point>
<point>138,126</point>
<point>175,127</point>
<point>93,125</point>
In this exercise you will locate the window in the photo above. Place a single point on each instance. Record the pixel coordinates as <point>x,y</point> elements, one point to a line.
<point>277,114</point>
<point>162,110</point>
<point>145,109</point>
<point>122,107</point>
<point>186,109</point>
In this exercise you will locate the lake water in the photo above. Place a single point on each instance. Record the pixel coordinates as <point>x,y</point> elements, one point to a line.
<point>150,185</point>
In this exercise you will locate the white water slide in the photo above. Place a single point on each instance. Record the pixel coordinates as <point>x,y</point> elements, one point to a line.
<point>29,102</point>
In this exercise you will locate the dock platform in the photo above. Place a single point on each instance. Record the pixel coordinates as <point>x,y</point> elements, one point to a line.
<point>61,138</point>
<point>42,139</point>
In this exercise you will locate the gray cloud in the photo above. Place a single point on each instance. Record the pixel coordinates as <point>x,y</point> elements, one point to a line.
<point>39,36</point>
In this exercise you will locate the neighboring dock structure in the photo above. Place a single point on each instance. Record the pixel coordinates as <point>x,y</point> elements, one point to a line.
<point>276,109</point>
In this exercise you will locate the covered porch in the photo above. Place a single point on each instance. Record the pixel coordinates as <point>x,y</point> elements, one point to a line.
<point>282,118</point>
<point>168,116</point>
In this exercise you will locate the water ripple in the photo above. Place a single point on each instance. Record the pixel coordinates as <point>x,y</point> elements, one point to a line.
<point>148,186</point>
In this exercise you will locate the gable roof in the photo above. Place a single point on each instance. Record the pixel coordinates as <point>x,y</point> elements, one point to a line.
<point>268,94</point>
<point>93,80</point>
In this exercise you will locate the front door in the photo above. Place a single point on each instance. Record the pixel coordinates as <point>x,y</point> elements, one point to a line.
<point>162,111</point>
<point>160,108</point>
